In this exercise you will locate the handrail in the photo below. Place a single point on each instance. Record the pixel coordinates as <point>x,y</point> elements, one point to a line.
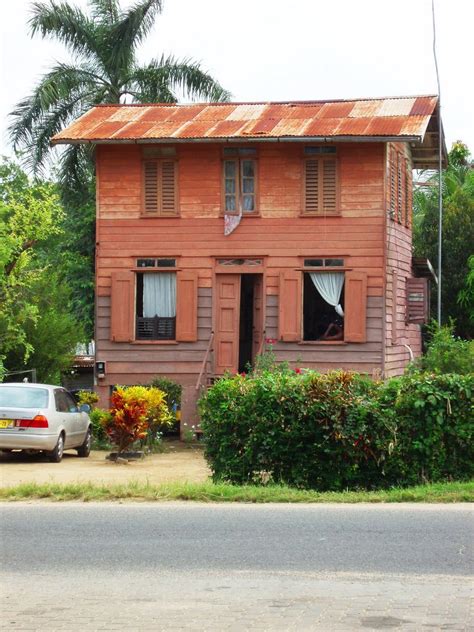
<point>204,362</point>
<point>260,349</point>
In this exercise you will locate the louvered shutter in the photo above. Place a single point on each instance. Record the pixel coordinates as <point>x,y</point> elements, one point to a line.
<point>320,187</point>
<point>150,188</point>
<point>393,185</point>
<point>168,188</point>
<point>329,186</point>
<point>417,301</point>
<point>355,307</point>
<point>122,309</point>
<point>290,299</point>
<point>311,191</point>
<point>186,306</point>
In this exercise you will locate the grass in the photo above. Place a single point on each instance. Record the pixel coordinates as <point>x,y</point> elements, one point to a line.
<point>223,492</point>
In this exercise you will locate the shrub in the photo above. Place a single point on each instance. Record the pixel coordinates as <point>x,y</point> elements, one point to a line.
<point>339,430</point>
<point>99,419</point>
<point>446,353</point>
<point>87,397</point>
<point>435,427</point>
<point>172,391</point>
<point>134,409</point>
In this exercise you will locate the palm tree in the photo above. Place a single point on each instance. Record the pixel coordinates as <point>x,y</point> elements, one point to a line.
<point>103,44</point>
<point>104,69</point>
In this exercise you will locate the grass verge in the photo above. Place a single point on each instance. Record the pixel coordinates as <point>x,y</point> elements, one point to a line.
<point>223,492</point>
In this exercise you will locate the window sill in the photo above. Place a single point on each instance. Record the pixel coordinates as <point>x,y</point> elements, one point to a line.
<point>154,342</point>
<point>322,342</point>
<point>151,216</point>
<point>246,215</point>
<point>322,214</point>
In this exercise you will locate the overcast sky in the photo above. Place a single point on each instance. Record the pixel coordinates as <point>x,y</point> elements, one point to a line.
<point>264,50</point>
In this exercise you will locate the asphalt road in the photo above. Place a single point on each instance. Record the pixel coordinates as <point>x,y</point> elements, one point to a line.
<point>193,566</point>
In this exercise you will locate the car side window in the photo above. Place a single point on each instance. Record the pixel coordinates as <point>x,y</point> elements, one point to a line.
<point>61,402</point>
<point>71,404</point>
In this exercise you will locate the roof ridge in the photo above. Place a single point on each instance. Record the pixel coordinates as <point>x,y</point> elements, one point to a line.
<point>294,102</point>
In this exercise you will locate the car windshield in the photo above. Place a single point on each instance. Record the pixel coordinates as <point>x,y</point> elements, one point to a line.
<point>20,397</point>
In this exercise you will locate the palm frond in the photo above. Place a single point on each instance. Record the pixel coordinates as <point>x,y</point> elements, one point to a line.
<point>131,30</point>
<point>54,87</point>
<point>66,23</point>
<point>186,76</point>
<point>105,11</point>
<point>76,167</point>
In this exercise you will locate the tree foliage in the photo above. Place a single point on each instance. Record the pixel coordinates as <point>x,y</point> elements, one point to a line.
<point>37,329</point>
<point>458,234</point>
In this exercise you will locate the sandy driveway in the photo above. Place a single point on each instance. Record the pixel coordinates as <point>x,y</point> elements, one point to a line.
<point>178,463</point>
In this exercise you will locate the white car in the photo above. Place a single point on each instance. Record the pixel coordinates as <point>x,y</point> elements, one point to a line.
<point>41,417</point>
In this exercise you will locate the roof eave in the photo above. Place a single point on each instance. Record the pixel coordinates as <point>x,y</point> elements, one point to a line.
<point>240,139</point>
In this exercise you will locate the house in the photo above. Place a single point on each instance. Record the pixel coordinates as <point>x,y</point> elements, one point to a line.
<point>316,197</point>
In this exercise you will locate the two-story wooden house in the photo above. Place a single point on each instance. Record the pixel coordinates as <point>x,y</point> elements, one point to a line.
<point>320,259</point>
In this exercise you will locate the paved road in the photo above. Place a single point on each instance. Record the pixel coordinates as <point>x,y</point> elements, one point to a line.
<point>236,567</point>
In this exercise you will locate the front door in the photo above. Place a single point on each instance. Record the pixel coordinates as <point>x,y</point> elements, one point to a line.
<point>226,345</point>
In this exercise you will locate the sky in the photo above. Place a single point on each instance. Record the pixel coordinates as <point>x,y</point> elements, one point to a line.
<point>277,50</point>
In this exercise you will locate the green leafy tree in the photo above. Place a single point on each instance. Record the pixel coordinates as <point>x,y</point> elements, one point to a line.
<point>458,233</point>
<point>103,43</point>
<point>36,326</point>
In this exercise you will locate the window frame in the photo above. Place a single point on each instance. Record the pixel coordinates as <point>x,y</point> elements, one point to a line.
<point>158,161</point>
<point>307,270</point>
<point>239,160</point>
<point>154,270</point>
<point>320,158</point>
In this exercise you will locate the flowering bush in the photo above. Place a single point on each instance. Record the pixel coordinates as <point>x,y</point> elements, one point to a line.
<point>339,430</point>
<point>87,397</point>
<point>133,410</point>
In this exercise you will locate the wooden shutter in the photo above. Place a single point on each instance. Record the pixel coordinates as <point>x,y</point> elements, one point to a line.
<point>329,186</point>
<point>168,188</point>
<point>150,188</point>
<point>355,307</point>
<point>311,187</point>
<point>186,306</point>
<point>290,299</point>
<point>320,186</point>
<point>122,309</point>
<point>417,301</point>
<point>393,184</point>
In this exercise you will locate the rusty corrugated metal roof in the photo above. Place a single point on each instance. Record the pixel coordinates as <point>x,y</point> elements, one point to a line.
<point>402,117</point>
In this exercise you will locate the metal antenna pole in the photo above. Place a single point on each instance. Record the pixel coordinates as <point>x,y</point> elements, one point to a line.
<point>440,170</point>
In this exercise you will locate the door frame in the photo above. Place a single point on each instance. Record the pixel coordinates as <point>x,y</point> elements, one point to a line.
<point>235,270</point>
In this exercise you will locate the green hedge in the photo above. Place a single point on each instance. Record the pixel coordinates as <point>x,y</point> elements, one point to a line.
<point>339,430</point>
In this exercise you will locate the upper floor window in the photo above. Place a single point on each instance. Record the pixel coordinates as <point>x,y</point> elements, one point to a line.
<point>320,190</point>
<point>239,179</point>
<point>159,187</point>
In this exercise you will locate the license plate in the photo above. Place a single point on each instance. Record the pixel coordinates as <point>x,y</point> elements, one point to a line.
<point>6,423</point>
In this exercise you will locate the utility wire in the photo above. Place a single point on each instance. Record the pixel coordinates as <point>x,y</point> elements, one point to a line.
<point>440,169</point>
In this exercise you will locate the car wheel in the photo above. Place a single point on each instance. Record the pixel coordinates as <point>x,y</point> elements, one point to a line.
<point>56,455</point>
<point>85,449</point>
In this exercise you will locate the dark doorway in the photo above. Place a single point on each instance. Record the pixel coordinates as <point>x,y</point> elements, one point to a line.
<point>246,321</point>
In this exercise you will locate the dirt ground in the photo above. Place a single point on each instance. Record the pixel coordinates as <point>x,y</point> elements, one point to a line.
<point>180,463</point>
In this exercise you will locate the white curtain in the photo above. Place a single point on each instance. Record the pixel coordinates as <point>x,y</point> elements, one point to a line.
<point>159,294</point>
<point>329,285</point>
